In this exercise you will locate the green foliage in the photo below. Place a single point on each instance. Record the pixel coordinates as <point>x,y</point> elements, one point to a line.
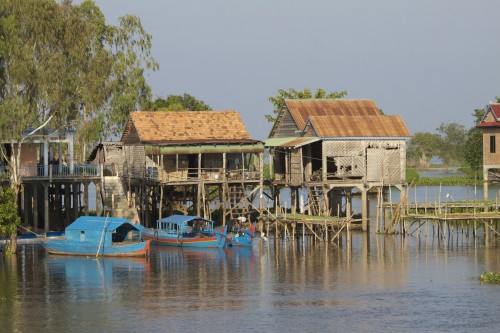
<point>279,99</point>
<point>491,277</point>
<point>130,46</point>
<point>451,145</point>
<point>412,176</point>
<point>479,114</point>
<point>266,171</point>
<point>184,102</point>
<point>61,62</point>
<point>445,181</point>
<point>473,150</point>
<point>9,218</point>
<point>422,147</point>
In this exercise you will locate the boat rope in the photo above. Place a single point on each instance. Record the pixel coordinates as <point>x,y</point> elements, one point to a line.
<point>102,236</point>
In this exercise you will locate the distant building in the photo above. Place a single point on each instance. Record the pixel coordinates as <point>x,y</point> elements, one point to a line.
<point>490,126</point>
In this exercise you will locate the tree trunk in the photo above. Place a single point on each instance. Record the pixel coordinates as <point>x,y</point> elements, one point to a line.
<point>13,242</point>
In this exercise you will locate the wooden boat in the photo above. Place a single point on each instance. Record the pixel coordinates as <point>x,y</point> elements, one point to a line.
<point>241,237</point>
<point>33,238</point>
<point>187,231</point>
<point>99,236</point>
<point>237,236</point>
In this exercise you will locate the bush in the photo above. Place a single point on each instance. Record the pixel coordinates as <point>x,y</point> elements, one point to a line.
<point>412,176</point>
<point>491,277</point>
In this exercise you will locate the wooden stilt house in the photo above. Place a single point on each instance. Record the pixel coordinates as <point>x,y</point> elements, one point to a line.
<point>332,146</point>
<point>198,160</point>
<point>490,127</point>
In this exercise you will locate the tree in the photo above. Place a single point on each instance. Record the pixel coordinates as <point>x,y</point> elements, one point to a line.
<point>422,147</point>
<point>9,219</point>
<point>452,142</point>
<point>62,67</point>
<point>473,151</point>
<point>184,102</point>
<point>279,99</point>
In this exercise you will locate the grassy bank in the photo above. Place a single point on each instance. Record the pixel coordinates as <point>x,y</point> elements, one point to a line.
<point>468,179</point>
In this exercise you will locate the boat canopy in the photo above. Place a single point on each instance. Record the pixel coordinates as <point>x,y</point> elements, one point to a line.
<point>93,229</point>
<point>93,223</point>
<point>183,219</point>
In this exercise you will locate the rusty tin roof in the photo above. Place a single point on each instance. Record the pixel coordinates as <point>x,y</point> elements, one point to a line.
<point>359,126</point>
<point>301,109</point>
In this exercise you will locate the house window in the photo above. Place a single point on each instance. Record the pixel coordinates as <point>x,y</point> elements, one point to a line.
<point>492,144</point>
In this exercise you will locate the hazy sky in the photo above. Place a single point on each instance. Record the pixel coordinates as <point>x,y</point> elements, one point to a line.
<point>430,61</point>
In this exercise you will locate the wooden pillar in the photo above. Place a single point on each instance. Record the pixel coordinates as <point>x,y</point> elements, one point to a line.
<point>86,198</point>
<point>27,203</point>
<point>224,187</point>
<point>485,184</point>
<point>76,193</point>
<point>199,187</point>
<point>261,183</point>
<point>154,204</point>
<point>67,204</point>
<point>161,202</point>
<point>57,206</point>
<point>35,207</point>
<point>98,199</point>
<point>293,198</point>
<point>364,209</point>
<point>147,213</point>
<point>348,204</point>
<point>46,206</point>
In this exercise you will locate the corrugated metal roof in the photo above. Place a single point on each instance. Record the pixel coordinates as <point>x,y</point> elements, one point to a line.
<point>359,126</point>
<point>301,109</point>
<point>289,142</point>
<point>186,126</point>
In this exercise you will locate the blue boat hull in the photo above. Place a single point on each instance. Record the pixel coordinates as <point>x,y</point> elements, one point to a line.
<point>67,247</point>
<point>240,239</point>
<point>160,237</point>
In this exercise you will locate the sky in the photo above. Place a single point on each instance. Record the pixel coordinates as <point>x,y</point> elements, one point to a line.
<point>429,61</point>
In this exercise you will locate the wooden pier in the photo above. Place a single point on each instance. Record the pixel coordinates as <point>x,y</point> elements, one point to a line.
<point>441,220</point>
<point>295,226</point>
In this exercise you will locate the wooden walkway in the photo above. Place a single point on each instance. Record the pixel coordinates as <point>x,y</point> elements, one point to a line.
<point>294,226</point>
<point>440,220</point>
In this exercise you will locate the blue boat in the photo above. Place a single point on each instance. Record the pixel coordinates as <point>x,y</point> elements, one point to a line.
<point>33,238</point>
<point>186,231</point>
<point>238,236</point>
<point>99,236</point>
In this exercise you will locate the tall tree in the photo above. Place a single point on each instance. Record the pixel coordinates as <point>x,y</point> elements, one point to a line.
<point>422,147</point>
<point>183,102</point>
<point>279,99</point>
<point>62,67</point>
<point>9,218</point>
<point>452,142</point>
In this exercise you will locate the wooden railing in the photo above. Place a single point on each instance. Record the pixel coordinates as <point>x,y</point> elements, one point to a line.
<point>55,171</point>
<point>205,174</point>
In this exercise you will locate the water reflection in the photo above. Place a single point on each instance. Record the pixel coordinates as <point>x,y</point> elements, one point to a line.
<point>84,279</point>
<point>368,282</point>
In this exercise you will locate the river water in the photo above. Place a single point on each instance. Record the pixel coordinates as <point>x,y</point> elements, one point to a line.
<point>374,283</point>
